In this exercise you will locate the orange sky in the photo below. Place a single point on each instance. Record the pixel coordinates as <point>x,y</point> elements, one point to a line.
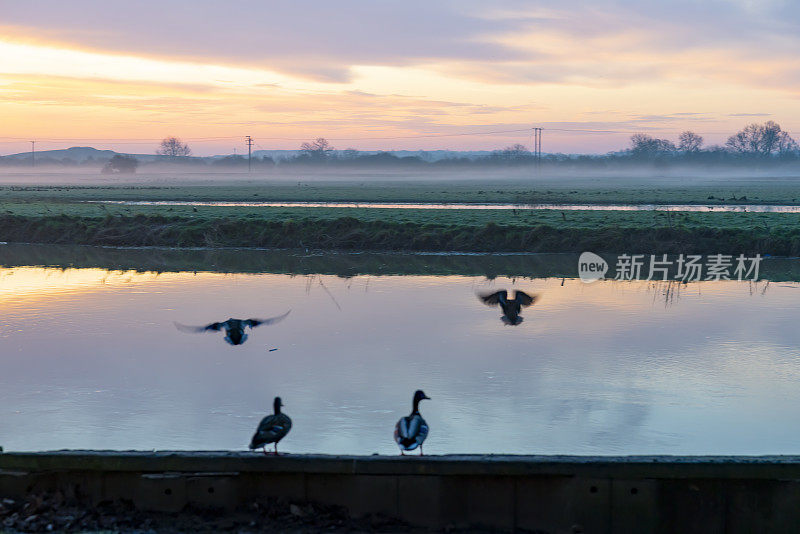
<point>361,72</point>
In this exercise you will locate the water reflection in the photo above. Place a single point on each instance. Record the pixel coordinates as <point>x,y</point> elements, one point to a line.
<point>511,307</point>
<point>735,208</point>
<point>234,328</point>
<point>90,359</point>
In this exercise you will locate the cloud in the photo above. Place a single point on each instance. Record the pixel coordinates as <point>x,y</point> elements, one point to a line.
<point>511,41</point>
<point>319,40</point>
<point>398,68</point>
<point>78,92</point>
<point>673,117</point>
<point>619,43</point>
<point>275,111</point>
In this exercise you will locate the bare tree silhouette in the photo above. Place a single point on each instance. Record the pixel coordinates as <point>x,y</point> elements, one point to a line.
<point>173,147</point>
<point>689,142</point>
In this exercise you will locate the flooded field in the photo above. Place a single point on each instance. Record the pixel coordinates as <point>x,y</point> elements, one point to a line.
<point>91,356</point>
<point>710,208</point>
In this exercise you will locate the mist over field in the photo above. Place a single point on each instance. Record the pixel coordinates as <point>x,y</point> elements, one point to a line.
<point>530,178</point>
<point>758,151</point>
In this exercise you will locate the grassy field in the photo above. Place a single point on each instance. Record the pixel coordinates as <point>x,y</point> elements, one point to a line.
<point>579,219</point>
<point>599,190</point>
<point>59,214</point>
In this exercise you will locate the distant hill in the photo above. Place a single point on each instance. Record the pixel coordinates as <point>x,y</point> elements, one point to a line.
<point>82,154</point>
<point>77,154</point>
<point>425,155</point>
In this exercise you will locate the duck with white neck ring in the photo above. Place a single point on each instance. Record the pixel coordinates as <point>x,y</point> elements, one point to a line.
<point>411,430</point>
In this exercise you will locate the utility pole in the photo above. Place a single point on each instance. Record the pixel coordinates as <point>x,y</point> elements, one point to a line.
<point>537,146</point>
<point>33,153</point>
<point>249,151</point>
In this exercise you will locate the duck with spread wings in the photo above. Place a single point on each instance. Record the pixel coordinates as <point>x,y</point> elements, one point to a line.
<point>234,328</point>
<point>511,307</point>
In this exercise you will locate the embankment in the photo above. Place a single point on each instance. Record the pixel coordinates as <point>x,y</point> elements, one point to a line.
<point>523,493</point>
<point>348,233</point>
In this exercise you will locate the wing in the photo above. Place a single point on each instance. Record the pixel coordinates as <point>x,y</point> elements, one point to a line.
<point>422,433</point>
<point>271,429</point>
<point>407,427</point>
<point>524,299</point>
<point>401,431</point>
<point>287,423</point>
<point>213,326</point>
<point>493,299</point>
<point>252,323</point>
<point>271,423</point>
<point>410,432</point>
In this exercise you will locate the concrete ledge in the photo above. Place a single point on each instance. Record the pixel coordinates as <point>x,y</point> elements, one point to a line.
<point>757,467</point>
<point>542,493</point>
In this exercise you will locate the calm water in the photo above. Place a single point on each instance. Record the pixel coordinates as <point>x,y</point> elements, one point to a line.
<point>90,359</point>
<point>738,208</point>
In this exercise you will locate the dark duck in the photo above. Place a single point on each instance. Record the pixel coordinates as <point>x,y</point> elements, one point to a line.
<point>234,328</point>
<point>411,430</point>
<point>272,429</point>
<point>511,307</point>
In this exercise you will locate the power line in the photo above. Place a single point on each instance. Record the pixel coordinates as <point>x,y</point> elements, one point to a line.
<point>118,140</point>
<point>144,140</point>
<point>644,130</point>
<point>402,136</point>
<point>537,132</point>
<point>419,136</point>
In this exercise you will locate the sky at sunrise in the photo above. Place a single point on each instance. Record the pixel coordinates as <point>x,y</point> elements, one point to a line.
<point>374,74</point>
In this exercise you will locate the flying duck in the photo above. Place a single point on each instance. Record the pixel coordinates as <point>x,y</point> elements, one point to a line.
<point>411,430</point>
<point>234,328</point>
<point>511,308</point>
<point>271,429</point>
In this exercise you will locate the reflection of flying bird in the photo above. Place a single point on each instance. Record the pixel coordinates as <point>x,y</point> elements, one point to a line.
<point>411,430</point>
<point>234,328</point>
<point>511,308</point>
<point>272,428</point>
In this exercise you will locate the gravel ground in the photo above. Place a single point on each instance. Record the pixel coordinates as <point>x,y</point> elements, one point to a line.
<point>54,513</point>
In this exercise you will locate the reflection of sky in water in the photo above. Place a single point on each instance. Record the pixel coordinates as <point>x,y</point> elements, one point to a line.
<point>755,208</point>
<point>91,359</point>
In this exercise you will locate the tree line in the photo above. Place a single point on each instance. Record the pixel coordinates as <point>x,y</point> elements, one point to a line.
<point>763,141</point>
<point>755,144</point>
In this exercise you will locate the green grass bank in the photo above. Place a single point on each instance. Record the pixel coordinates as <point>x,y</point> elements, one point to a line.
<point>765,235</point>
<point>62,215</point>
<point>568,190</point>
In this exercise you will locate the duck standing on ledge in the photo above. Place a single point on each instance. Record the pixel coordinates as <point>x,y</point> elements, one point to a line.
<point>411,431</point>
<point>511,308</point>
<point>271,429</point>
<point>234,328</point>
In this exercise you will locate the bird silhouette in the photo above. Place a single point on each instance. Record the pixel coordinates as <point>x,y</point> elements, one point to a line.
<point>234,328</point>
<point>411,430</point>
<point>272,428</point>
<point>511,308</point>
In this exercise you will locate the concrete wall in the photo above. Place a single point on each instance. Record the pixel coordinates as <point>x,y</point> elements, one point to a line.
<point>551,494</point>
